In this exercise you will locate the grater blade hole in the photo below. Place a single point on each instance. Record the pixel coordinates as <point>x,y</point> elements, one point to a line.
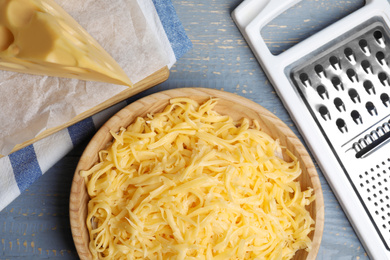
<point>337,84</point>
<point>335,62</point>
<point>305,79</point>
<point>362,143</point>
<point>321,90</point>
<point>364,46</point>
<point>368,139</point>
<point>380,57</point>
<point>386,127</point>
<point>381,132</point>
<point>339,104</point>
<point>357,147</point>
<point>378,35</point>
<point>357,118</point>
<point>369,87</point>
<point>342,125</point>
<point>385,99</point>
<point>384,79</point>
<point>366,65</point>
<point>352,75</point>
<point>354,95</point>
<point>324,112</point>
<point>320,71</point>
<point>374,135</point>
<point>371,108</point>
<point>349,54</point>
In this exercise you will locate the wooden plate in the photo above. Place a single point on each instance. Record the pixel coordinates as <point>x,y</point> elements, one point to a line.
<point>228,103</point>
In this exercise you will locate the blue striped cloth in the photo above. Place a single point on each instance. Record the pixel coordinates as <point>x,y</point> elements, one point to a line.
<point>22,168</point>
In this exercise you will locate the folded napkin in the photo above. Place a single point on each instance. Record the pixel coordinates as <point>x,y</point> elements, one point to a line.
<point>21,168</point>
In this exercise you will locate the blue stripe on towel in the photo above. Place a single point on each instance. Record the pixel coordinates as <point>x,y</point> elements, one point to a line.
<point>25,166</point>
<point>173,28</point>
<point>81,130</point>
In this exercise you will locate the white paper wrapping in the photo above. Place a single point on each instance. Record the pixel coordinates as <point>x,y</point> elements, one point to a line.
<point>125,28</point>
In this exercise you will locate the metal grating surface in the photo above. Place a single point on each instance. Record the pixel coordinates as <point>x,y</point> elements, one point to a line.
<point>376,182</point>
<point>347,90</point>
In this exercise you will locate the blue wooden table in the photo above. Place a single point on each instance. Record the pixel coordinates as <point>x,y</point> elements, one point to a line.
<point>36,224</point>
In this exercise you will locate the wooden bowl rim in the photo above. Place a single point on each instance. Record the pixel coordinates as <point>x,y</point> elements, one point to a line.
<point>79,196</point>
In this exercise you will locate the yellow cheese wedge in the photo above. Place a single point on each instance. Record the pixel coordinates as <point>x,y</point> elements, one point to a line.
<point>39,37</point>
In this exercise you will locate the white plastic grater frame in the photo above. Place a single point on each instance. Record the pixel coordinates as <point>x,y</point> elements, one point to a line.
<point>251,16</point>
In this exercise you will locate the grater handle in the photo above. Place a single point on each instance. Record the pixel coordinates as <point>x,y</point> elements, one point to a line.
<point>253,15</point>
<point>248,10</point>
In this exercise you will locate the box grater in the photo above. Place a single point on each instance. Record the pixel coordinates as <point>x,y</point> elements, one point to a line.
<point>336,87</point>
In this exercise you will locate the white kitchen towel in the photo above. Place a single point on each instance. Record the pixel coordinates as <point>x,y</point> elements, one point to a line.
<point>22,168</point>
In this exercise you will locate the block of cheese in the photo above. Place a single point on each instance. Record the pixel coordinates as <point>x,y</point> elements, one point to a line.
<point>39,37</point>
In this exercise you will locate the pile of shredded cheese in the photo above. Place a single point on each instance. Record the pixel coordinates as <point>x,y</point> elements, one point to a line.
<point>189,183</point>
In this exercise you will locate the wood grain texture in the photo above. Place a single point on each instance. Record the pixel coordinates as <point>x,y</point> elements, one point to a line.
<point>36,225</point>
<point>228,104</point>
<point>150,81</point>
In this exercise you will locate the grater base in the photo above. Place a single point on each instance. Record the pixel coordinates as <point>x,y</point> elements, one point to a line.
<point>340,107</point>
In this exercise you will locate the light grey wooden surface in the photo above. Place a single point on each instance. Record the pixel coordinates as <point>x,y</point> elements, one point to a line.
<point>36,224</point>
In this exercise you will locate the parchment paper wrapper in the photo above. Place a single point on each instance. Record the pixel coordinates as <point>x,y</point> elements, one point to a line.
<point>31,104</point>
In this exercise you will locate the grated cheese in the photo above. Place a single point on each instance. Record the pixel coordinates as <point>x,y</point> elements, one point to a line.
<point>189,183</point>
